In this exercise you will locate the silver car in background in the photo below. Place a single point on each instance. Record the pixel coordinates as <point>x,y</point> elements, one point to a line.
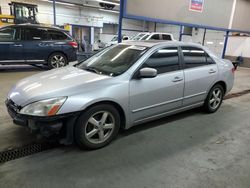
<point>122,86</point>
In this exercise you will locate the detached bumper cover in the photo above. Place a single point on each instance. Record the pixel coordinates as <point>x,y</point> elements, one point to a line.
<point>46,126</point>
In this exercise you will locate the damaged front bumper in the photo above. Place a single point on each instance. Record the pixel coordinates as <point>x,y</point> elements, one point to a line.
<point>61,126</point>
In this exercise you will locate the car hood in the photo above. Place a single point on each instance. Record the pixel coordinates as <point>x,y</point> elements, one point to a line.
<point>54,83</point>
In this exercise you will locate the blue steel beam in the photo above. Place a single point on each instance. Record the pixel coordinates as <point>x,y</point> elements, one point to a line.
<point>225,45</point>
<point>120,21</point>
<point>54,11</point>
<point>181,32</point>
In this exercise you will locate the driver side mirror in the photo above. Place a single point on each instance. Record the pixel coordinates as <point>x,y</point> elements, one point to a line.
<point>147,73</point>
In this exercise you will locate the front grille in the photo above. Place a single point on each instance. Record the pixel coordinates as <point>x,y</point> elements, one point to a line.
<point>12,106</point>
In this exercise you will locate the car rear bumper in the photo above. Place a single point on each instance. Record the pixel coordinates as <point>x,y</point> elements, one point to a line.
<point>59,125</point>
<point>72,55</point>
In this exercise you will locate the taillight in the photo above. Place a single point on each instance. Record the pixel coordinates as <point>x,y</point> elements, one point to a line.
<point>73,44</point>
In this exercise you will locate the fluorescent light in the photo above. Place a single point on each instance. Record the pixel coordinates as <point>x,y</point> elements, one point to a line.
<point>106,10</point>
<point>210,42</point>
<point>63,3</point>
<point>221,43</point>
<point>167,51</point>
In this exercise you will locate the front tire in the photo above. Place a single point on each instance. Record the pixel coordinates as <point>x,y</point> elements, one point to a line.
<point>214,99</point>
<point>57,60</point>
<point>97,127</point>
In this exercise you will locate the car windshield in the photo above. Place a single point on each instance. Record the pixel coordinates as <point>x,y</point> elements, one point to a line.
<point>115,38</point>
<point>145,37</point>
<point>138,37</point>
<point>113,61</point>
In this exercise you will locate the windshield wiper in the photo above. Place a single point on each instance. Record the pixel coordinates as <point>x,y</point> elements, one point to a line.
<point>91,69</point>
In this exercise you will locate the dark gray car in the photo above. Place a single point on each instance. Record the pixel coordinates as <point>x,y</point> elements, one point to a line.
<point>36,44</point>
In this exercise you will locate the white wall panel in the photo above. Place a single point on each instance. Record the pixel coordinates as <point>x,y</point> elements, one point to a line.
<point>216,13</point>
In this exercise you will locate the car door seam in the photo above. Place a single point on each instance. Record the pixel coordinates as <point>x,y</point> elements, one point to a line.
<point>157,105</point>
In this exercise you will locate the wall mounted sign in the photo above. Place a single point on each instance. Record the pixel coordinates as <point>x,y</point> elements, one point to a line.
<point>196,5</point>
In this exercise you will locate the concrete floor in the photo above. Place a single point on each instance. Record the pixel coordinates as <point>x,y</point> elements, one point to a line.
<point>10,134</point>
<point>191,149</point>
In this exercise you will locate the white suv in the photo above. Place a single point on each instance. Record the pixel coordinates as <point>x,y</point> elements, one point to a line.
<point>154,36</point>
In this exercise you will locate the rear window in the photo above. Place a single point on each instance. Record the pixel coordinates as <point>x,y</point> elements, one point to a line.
<point>57,35</point>
<point>166,37</point>
<point>35,34</point>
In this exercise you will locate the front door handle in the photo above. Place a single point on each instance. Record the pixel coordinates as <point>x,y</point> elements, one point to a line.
<point>177,79</point>
<point>18,45</point>
<point>212,71</point>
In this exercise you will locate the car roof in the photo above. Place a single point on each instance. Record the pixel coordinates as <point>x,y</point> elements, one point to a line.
<point>160,33</point>
<point>36,26</point>
<point>151,33</point>
<point>153,43</point>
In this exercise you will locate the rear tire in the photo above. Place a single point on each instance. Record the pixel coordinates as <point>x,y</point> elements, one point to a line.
<point>214,99</point>
<point>97,127</point>
<point>57,60</point>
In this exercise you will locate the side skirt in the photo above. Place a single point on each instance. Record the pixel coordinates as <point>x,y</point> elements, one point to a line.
<point>158,116</point>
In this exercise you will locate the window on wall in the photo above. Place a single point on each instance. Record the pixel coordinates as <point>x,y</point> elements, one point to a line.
<point>195,57</point>
<point>164,60</point>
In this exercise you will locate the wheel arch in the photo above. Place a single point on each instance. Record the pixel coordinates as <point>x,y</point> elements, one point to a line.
<point>58,51</point>
<point>117,106</point>
<point>223,84</point>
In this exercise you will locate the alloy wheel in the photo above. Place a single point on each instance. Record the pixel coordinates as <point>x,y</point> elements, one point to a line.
<point>58,61</point>
<point>99,127</point>
<point>215,98</point>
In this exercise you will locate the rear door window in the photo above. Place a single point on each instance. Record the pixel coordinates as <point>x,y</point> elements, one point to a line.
<point>195,57</point>
<point>155,37</point>
<point>209,60</point>
<point>57,35</point>
<point>35,34</point>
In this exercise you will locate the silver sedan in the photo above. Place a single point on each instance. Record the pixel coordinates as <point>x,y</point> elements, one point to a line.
<point>122,86</point>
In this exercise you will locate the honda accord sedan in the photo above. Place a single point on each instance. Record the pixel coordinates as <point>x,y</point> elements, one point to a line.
<point>124,85</point>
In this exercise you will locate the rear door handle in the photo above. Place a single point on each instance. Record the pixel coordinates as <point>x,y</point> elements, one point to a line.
<point>177,79</point>
<point>18,45</point>
<point>212,71</point>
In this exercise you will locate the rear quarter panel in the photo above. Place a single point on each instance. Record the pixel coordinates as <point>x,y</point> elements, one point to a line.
<point>70,52</point>
<point>225,73</point>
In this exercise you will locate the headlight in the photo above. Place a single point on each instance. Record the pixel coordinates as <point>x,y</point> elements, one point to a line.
<point>47,107</point>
